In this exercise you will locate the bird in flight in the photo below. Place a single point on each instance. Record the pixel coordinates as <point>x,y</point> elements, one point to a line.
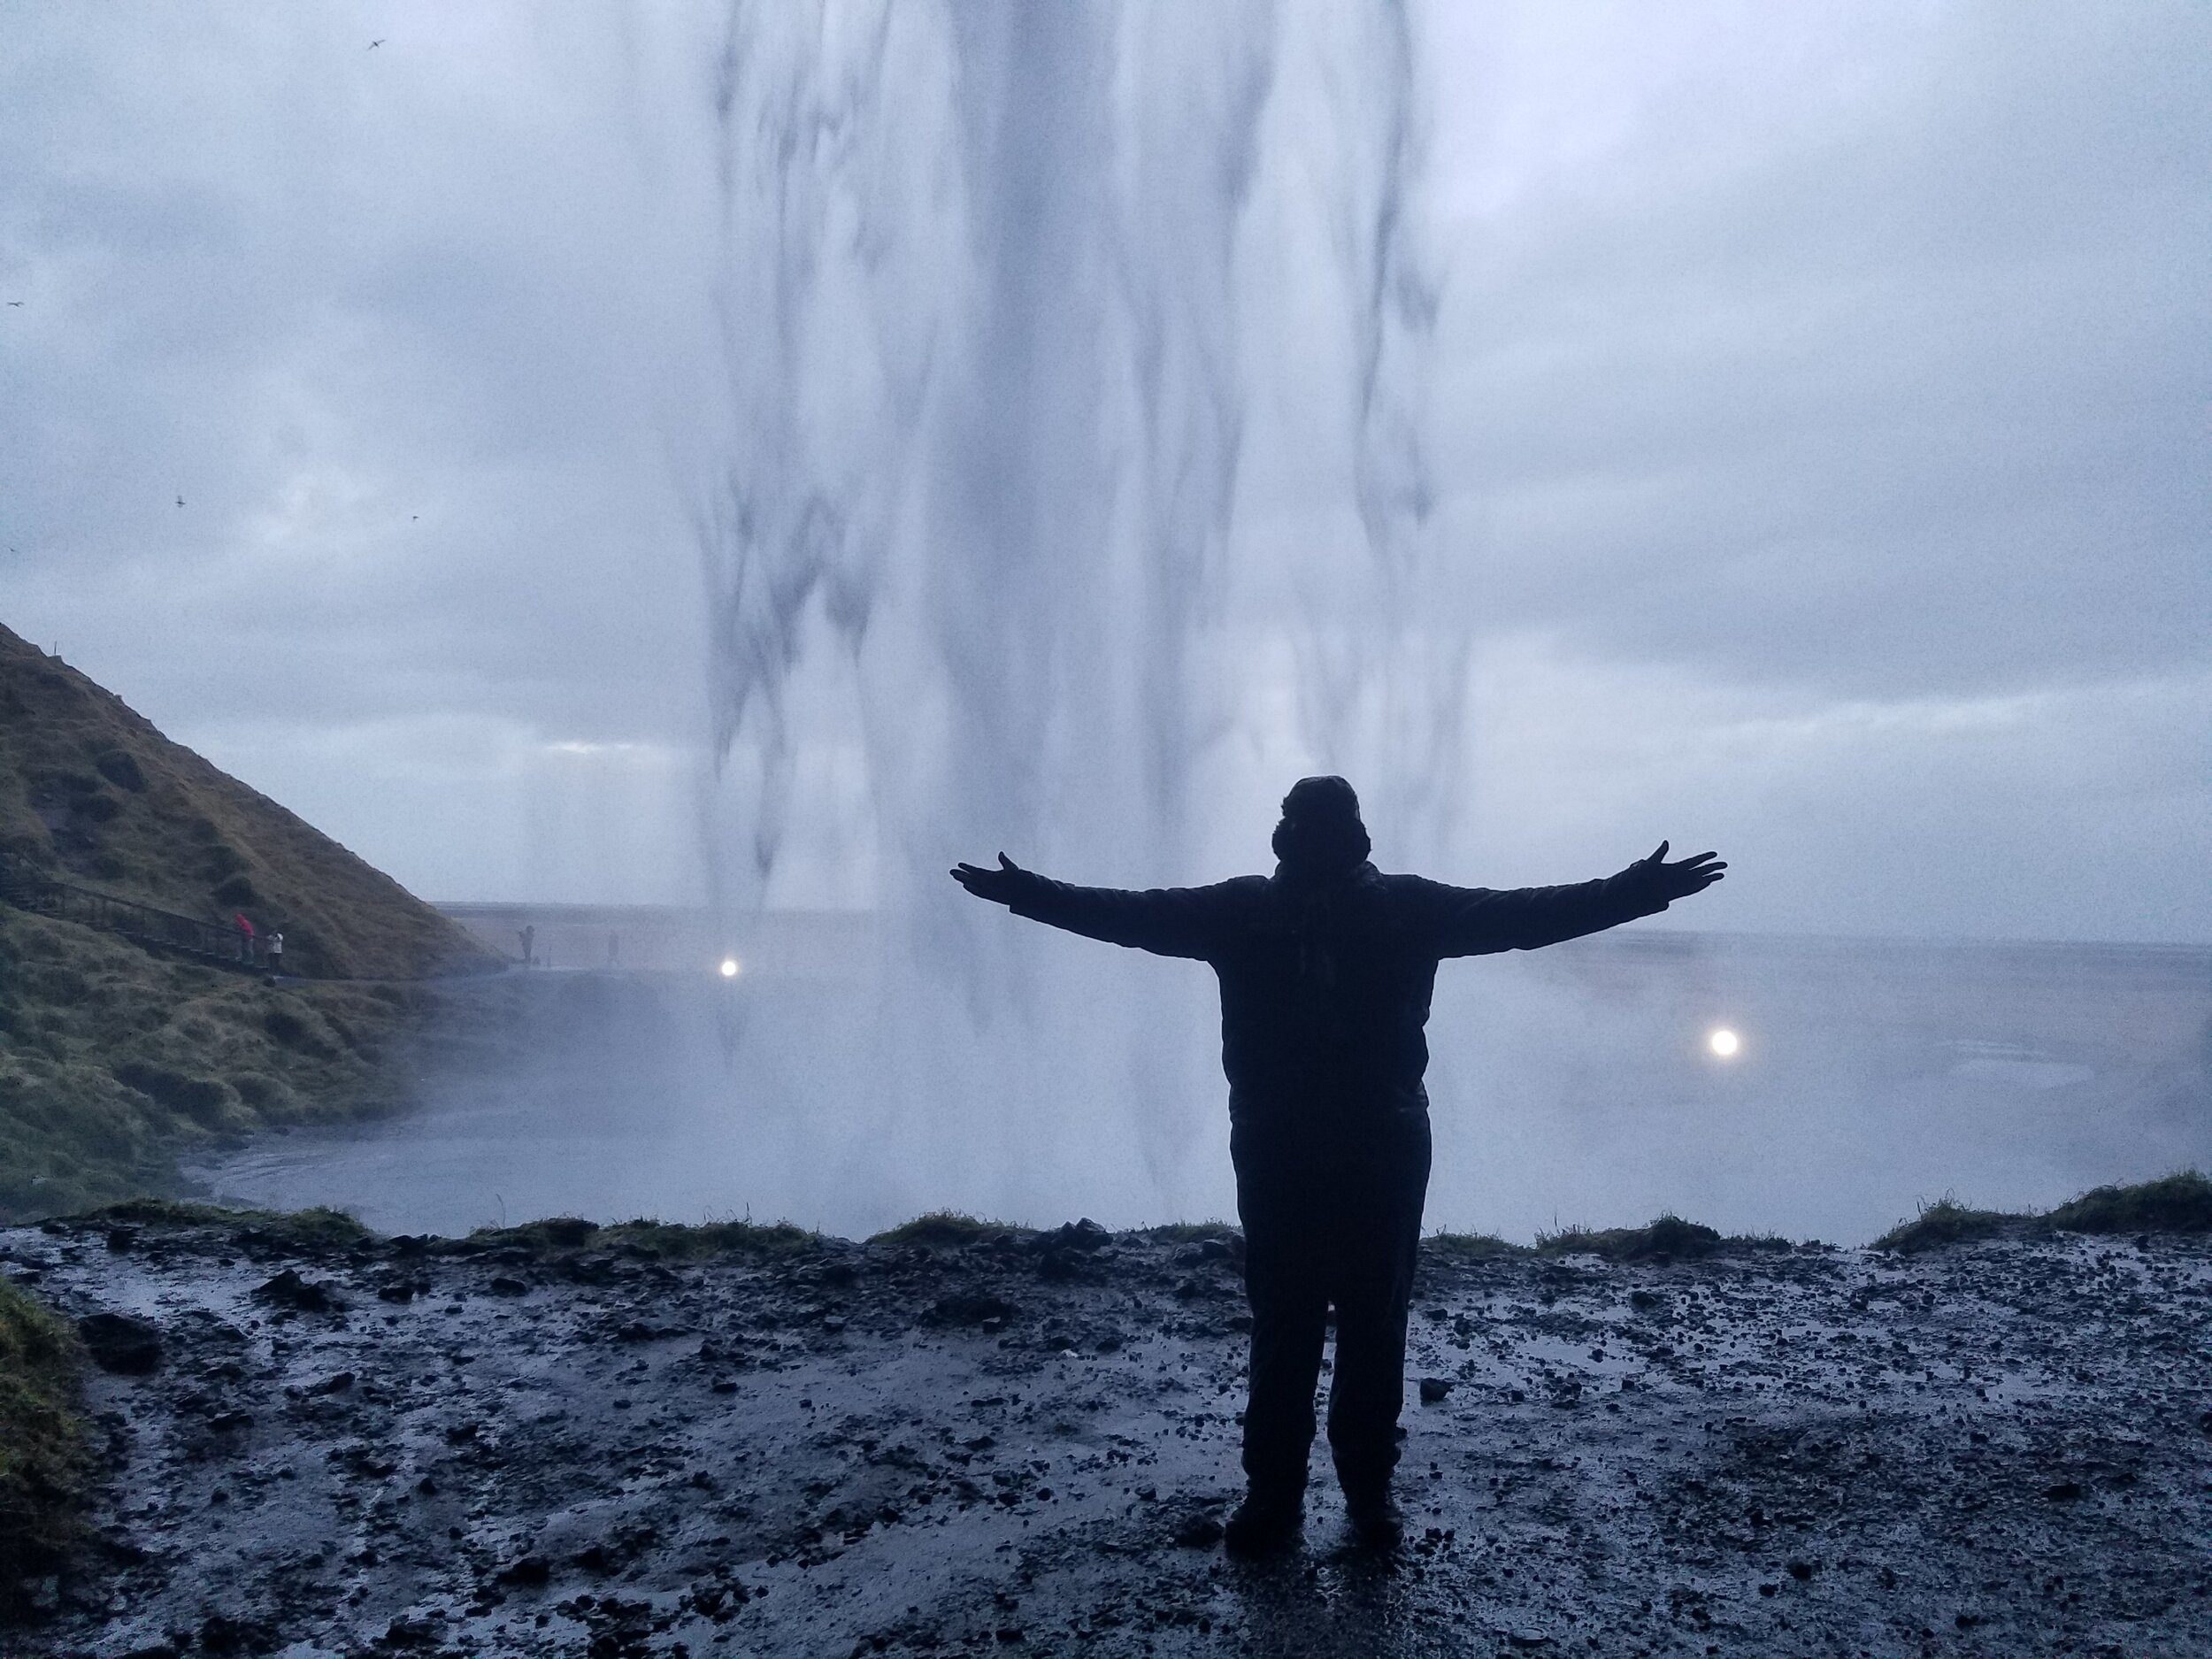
<point>375,44</point>
<point>179,501</point>
<point>15,301</point>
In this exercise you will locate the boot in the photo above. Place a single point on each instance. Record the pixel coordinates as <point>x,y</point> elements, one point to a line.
<point>1377,1521</point>
<point>1265,1524</point>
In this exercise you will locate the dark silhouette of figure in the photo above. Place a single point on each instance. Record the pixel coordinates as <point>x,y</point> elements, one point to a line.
<point>1327,970</point>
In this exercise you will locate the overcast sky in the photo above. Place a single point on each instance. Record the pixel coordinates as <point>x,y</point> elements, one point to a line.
<point>1819,414</point>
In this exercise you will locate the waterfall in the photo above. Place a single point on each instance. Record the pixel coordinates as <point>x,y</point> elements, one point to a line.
<point>1067,503</point>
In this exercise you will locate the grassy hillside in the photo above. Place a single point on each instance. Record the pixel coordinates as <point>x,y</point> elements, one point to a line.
<point>116,1062</point>
<point>91,793</point>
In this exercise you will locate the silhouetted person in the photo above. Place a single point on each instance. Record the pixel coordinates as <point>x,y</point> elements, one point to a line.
<point>1327,970</point>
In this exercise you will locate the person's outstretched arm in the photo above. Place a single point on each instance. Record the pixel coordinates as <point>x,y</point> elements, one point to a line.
<point>1167,921</point>
<point>1472,921</point>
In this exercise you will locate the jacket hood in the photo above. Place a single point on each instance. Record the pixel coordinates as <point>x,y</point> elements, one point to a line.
<point>1320,836</point>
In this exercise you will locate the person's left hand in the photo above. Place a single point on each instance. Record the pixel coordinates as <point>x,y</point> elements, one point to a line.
<point>999,886</point>
<point>1682,878</point>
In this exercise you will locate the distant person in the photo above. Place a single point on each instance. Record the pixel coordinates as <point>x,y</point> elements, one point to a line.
<point>276,951</point>
<point>245,937</point>
<point>1327,970</point>
<point>529,937</point>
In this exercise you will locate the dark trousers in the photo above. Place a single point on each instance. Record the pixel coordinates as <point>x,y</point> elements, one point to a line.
<point>1332,1217</point>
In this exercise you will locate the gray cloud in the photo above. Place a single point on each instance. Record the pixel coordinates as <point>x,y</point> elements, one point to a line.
<point>1894,405</point>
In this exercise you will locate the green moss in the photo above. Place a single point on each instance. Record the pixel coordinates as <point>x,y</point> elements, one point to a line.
<point>943,1227</point>
<point>42,1451</point>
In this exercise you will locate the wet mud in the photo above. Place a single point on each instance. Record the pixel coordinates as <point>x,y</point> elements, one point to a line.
<point>1025,1443</point>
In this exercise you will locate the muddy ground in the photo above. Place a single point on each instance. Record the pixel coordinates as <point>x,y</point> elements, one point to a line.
<point>1023,1444</point>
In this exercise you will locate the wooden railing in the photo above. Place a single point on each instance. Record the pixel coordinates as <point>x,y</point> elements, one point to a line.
<point>164,930</point>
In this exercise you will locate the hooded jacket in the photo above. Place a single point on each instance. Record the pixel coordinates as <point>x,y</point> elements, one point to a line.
<point>1326,977</point>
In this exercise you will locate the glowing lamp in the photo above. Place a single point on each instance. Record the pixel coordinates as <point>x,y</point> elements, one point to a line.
<point>1723,1044</point>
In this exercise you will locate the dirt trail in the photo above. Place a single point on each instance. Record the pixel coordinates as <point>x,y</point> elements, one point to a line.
<point>1024,1443</point>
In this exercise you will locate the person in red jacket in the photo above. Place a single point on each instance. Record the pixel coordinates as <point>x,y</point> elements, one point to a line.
<point>1326,971</point>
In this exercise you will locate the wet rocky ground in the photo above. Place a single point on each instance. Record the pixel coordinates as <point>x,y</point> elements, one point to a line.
<point>590,1444</point>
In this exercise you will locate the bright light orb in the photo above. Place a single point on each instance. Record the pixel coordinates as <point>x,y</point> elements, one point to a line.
<point>729,967</point>
<point>1723,1044</point>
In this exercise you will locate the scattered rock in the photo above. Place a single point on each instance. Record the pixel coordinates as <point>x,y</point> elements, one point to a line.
<point>119,1343</point>
<point>525,1572</point>
<point>410,1633</point>
<point>1084,1235</point>
<point>221,1634</point>
<point>289,1290</point>
<point>1200,1530</point>
<point>557,1445</point>
<point>973,1309</point>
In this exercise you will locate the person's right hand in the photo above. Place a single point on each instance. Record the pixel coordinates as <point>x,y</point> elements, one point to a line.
<point>999,886</point>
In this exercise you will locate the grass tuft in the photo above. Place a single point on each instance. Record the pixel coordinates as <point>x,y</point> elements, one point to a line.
<point>42,1450</point>
<point>318,1228</point>
<point>649,1240</point>
<point>949,1228</point>
<point>1668,1238</point>
<point>554,1232</point>
<point>1947,1222</point>
<point>2180,1203</point>
<point>321,1229</point>
<point>1192,1232</point>
<point>1473,1247</point>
